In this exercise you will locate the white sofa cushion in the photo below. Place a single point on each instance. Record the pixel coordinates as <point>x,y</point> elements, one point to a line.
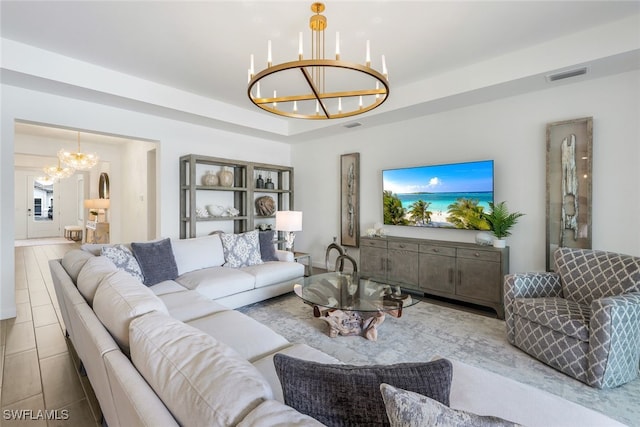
<point>197,253</point>
<point>483,392</point>
<point>73,261</point>
<point>272,272</point>
<point>202,381</point>
<point>271,413</point>
<point>94,270</point>
<point>119,299</point>
<point>250,338</point>
<point>190,305</point>
<point>167,287</point>
<point>300,351</point>
<point>217,282</point>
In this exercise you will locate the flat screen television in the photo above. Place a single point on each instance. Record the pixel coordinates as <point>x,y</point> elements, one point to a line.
<point>439,196</point>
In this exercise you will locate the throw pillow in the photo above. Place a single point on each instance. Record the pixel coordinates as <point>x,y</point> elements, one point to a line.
<point>241,250</point>
<point>409,409</point>
<point>156,261</point>
<point>338,395</point>
<point>124,260</point>
<point>267,250</point>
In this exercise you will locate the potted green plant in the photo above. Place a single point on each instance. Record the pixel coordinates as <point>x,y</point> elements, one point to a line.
<point>500,222</point>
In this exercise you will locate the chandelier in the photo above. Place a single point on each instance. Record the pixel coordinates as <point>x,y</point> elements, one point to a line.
<point>58,172</point>
<point>318,88</point>
<point>78,160</point>
<point>44,180</point>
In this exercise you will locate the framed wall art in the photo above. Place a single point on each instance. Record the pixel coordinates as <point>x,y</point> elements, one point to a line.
<point>569,164</point>
<point>350,199</point>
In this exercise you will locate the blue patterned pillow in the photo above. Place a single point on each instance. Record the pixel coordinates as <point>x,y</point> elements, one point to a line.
<point>241,250</point>
<point>123,258</point>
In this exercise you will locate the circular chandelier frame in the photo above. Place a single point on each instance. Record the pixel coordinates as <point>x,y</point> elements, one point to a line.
<point>267,103</point>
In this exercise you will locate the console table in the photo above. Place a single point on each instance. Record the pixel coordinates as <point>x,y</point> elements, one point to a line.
<point>459,271</point>
<point>97,232</point>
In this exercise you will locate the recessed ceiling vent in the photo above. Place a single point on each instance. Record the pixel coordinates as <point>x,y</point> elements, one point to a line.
<point>353,125</point>
<point>567,74</point>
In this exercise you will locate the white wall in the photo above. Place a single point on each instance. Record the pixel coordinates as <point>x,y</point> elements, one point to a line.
<point>512,132</point>
<point>175,139</point>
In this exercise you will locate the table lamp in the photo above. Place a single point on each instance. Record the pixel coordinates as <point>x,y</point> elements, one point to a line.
<point>96,205</point>
<point>289,222</point>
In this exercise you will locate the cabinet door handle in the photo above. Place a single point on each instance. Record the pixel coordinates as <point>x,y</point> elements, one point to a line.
<point>401,246</point>
<point>436,250</point>
<point>477,254</point>
<point>451,275</point>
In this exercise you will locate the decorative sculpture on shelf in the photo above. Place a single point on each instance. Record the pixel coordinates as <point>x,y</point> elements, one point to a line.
<point>265,206</point>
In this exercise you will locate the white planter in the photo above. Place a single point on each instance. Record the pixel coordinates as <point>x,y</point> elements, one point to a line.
<point>499,243</point>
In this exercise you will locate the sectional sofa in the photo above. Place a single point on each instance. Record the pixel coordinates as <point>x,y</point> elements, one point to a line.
<point>174,354</point>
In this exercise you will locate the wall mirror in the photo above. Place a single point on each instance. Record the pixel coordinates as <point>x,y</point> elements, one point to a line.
<point>103,186</point>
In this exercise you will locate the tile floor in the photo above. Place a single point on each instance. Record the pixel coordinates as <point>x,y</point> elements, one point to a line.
<point>39,374</point>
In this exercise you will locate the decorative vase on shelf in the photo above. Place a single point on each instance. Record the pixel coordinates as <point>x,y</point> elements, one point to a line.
<point>260,182</point>
<point>269,184</point>
<point>210,179</point>
<point>499,243</point>
<point>215,210</point>
<point>225,176</point>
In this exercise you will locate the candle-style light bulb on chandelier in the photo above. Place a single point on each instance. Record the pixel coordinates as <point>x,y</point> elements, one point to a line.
<point>78,160</point>
<point>318,88</point>
<point>58,172</point>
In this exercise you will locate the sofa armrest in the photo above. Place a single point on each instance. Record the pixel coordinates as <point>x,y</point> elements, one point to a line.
<point>527,285</point>
<point>614,340</point>
<point>284,255</point>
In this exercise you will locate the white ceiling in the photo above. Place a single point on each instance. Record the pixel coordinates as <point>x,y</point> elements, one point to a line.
<point>203,47</point>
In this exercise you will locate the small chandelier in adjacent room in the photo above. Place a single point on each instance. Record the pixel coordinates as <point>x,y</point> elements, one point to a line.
<point>44,180</point>
<point>78,160</point>
<point>58,172</point>
<point>318,88</point>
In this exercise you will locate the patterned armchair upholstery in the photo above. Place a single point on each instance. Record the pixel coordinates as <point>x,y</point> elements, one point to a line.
<point>583,319</point>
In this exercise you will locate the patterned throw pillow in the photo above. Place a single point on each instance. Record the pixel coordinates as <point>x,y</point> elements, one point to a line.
<point>241,250</point>
<point>409,409</point>
<point>123,258</point>
<point>339,395</point>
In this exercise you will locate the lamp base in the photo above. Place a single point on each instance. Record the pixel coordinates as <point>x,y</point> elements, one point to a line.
<point>288,240</point>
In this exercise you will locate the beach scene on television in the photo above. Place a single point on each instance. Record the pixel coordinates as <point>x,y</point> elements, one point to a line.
<point>439,196</point>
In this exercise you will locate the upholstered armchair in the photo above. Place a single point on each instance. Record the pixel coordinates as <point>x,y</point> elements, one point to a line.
<point>583,319</point>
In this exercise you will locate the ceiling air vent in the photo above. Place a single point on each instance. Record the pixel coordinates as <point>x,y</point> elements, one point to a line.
<point>567,74</point>
<point>353,125</point>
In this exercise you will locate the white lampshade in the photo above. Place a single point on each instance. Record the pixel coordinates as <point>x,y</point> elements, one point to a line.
<point>289,220</point>
<point>96,203</point>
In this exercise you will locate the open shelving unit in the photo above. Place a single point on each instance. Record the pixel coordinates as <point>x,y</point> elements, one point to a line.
<point>195,196</point>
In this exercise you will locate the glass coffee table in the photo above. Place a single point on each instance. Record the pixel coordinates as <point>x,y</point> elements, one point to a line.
<point>352,304</point>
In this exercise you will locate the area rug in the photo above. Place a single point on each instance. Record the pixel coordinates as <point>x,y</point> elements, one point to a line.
<point>427,330</point>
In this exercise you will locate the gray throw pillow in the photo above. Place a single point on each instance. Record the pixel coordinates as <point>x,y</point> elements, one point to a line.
<point>156,261</point>
<point>409,409</point>
<point>341,395</point>
<point>241,250</point>
<point>267,249</point>
<point>124,260</point>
